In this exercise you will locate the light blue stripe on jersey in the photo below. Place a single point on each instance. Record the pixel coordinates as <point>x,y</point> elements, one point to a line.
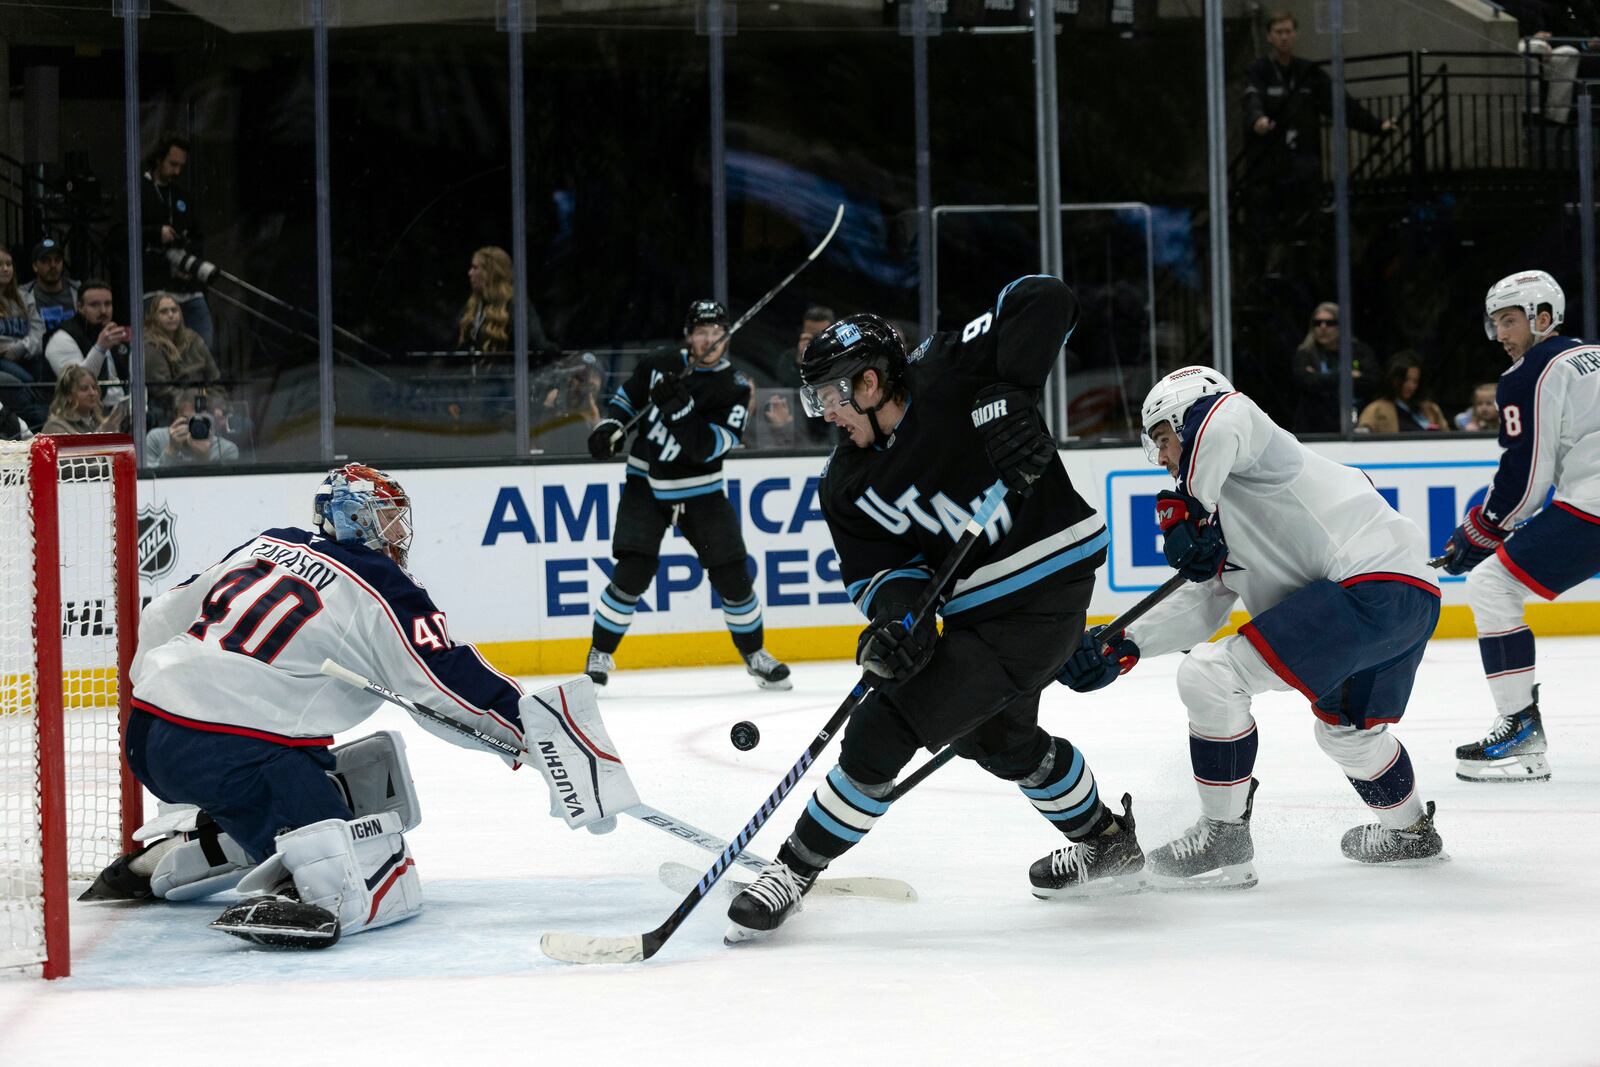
<point>606,624</point>
<point>832,825</point>
<point>1078,812</point>
<point>620,399</point>
<point>616,605</point>
<point>634,472</point>
<point>1042,569</point>
<point>918,573</point>
<point>725,441</point>
<point>743,617</point>
<point>1051,790</point>
<point>684,494</point>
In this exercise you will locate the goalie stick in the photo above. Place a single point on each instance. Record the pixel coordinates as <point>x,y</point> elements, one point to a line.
<point>634,948</point>
<point>621,432</point>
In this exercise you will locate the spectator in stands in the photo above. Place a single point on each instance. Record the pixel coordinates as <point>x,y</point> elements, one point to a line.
<point>13,427</point>
<point>53,293</point>
<point>171,231</point>
<point>778,427</point>
<point>76,407</point>
<point>1484,414</point>
<point>1316,373</point>
<point>1403,407</point>
<point>1285,99</point>
<point>485,322</point>
<point>569,407</point>
<point>91,338</point>
<point>816,319</point>
<point>190,440</point>
<point>1539,22</point>
<point>21,327</point>
<point>176,357</point>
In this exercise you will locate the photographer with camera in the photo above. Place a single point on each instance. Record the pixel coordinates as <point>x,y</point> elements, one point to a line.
<point>173,246</point>
<point>192,438</point>
<point>91,339</point>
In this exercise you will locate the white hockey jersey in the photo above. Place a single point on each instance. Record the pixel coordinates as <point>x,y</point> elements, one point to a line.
<point>238,648</point>
<point>1290,517</point>
<point>1550,430</point>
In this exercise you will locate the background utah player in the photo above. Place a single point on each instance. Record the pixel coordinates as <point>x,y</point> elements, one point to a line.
<point>695,408</point>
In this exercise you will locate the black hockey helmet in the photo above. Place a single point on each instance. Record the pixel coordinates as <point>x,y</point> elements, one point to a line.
<point>836,355</point>
<point>705,313</point>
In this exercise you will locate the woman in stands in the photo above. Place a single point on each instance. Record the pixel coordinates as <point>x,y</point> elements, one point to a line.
<point>175,359</point>
<point>77,409</point>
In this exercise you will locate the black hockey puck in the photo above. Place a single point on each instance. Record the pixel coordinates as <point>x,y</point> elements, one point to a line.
<point>744,736</point>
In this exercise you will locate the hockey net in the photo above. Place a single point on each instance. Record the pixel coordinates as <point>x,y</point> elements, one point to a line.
<point>68,624</point>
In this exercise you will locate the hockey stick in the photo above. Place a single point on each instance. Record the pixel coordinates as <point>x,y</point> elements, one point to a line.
<point>838,217</point>
<point>1117,625</point>
<point>633,948</point>
<point>682,879</point>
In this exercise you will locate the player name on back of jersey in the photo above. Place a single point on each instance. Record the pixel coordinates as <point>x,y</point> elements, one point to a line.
<point>297,561</point>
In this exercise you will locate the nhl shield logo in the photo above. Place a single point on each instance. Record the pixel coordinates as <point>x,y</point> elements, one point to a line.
<point>158,547</point>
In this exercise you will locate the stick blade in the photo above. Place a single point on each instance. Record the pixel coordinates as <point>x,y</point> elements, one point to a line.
<point>591,948</point>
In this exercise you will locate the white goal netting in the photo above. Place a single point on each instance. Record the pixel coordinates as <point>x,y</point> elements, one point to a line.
<point>86,572</point>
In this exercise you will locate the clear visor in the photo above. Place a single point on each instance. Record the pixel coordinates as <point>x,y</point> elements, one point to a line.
<point>1152,449</point>
<point>818,399</point>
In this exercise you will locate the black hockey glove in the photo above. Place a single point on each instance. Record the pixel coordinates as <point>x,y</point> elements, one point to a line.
<point>605,439</point>
<point>1019,446</point>
<point>1193,542</point>
<point>891,649</point>
<point>1474,541</point>
<point>1099,661</point>
<point>673,399</point>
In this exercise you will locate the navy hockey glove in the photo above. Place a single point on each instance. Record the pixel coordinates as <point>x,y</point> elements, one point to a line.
<point>1473,542</point>
<point>1193,544</point>
<point>892,649</point>
<point>604,439</point>
<point>1019,446</point>
<point>1099,661</point>
<point>672,398</point>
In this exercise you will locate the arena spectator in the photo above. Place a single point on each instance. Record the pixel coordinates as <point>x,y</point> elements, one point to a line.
<point>778,426</point>
<point>172,226</point>
<point>91,338</point>
<point>787,366</point>
<point>1539,22</point>
<point>189,440</point>
<point>21,327</point>
<point>53,293</point>
<point>1315,370</point>
<point>13,427</point>
<point>485,322</point>
<point>76,407</point>
<point>1484,414</point>
<point>176,357</point>
<point>568,405</point>
<point>1285,99</point>
<point>1403,407</point>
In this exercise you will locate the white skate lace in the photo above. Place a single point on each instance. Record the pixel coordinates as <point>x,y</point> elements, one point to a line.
<point>1502,728</point>
<point>1072,861</point>
<point>778,887</point>
<point>600,661</point>
<point>1194,841</point>
<point>761,661</point>
<point>1375,837</point>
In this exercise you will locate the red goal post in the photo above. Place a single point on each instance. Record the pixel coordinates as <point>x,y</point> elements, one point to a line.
<point>69,621</point>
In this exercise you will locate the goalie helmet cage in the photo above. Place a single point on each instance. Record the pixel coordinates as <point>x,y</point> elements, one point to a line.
<point>69,620</point>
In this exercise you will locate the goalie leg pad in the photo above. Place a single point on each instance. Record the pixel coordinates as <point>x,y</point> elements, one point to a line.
<point>569,744</point>
<point>372,775</point>
<point>208,861</point>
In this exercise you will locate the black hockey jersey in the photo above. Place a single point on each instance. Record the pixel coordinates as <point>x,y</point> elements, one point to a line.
<point>896,511</point>
<point>684,460</point>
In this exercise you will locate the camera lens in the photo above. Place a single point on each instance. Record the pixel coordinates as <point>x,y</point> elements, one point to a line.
<point>199,427</point>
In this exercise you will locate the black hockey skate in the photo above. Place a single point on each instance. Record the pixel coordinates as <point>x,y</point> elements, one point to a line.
<point>599,667</point>
<point>280,922</point>
<point>1212,855</point>
<point>767,902</point>
<point>1374,843</point>
<point>1099,865</point>
<point>767,671</point>
<point>1513,751</point>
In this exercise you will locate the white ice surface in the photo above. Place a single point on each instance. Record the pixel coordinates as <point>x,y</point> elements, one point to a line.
<point>1493,957</point>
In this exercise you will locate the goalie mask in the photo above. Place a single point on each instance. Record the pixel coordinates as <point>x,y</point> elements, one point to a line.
<point>1172,397</point>
<point>357,504</point>
<point>1527,290</point>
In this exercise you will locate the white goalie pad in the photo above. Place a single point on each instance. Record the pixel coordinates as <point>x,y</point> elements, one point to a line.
<point>360,871</point>
<point>170,819</point>
<point>206,863</point>
<point>567,741</point>
<point>373,776</point>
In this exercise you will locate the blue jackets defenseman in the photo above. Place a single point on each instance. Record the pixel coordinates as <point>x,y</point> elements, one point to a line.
<point>1538,530</point>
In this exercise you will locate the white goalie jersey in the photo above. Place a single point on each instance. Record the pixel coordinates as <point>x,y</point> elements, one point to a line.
<point>1290,517</point>
<point>238,648</point>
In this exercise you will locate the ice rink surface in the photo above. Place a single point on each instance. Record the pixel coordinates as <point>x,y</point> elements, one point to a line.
<point>1492,957</point>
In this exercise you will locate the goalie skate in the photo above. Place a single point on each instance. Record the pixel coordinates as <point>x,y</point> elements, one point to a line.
<point>1513,751</point>
<point>1212,855</point>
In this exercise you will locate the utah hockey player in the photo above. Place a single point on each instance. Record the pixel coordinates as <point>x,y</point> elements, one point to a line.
<point>675,479</point>
<point>928,434</point>
<point>232,724</point>
<point>1549,404</point>
<point>1341,601</point>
